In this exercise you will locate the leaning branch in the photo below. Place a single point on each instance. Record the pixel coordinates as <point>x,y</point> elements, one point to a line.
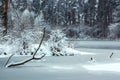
<point>9,59</point>
<point>23,62</point>
<point>39,43</point>
<point>33,57</point>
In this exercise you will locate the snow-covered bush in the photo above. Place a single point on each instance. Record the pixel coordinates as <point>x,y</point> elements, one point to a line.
<point>29,37</point>
<point>57,43</point>
<point>14,43</point>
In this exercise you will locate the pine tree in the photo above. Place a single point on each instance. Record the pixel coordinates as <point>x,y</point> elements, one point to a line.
<point>104,16</point>
<point>92,12</point>
<point>58,43</point>
<point>36,6</point>
<point>116,12</point>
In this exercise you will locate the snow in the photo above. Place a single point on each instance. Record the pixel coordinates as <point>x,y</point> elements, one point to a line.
<point>86,1</point>
<point>71,50</point>
<point>114,67</point>
<point>62,67</point>
<point>81,48</point>
<point>46,50</point>
<point>39,21</point>
<point>26,13</point>
<point>43,49</point>
<point>76,67</point>
<point>4,56</point>
<point>90,61</point>
<point>9,49</point>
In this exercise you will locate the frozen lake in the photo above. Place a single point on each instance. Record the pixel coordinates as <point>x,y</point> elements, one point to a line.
<point>101,47</point>
<point>78,67</point>
<point>63,68</point>
<point>97,44</point>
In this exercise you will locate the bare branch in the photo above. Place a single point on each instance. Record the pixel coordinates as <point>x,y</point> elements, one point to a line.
<point>33,58</point>
<point>40,43</point>
<point>26,61</point>
<point>8,60</point>
<point>40,57</point>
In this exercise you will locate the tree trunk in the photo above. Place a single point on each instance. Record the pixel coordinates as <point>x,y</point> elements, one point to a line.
<point>6,17</point>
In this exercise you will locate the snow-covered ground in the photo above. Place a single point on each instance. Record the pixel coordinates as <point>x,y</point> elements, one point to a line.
<point>92,64</point>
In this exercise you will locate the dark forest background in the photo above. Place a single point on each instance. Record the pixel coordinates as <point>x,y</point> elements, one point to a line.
<point>77,18</point>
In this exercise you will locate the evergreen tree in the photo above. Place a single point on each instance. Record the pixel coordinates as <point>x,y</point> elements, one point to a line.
<point>104,16</point>
<point>36,6</point>
<point>90,12</point>
<point>116,12</point>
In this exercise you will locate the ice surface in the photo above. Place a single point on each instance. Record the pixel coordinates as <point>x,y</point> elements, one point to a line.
<point>78,67</point>
<point>104,67</point>
<point>62,68</point>
<point>97,44</point>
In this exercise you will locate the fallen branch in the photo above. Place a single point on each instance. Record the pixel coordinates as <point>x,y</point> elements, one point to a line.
<point>33,57</point>
<point>23,62</point>
<point>8,60</point>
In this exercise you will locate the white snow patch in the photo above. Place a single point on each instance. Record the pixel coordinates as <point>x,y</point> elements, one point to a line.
<point>114,67</point>
<point>62,67</point>
<point>4,56</point>
<point>86,1</point>
<point>71,50</point>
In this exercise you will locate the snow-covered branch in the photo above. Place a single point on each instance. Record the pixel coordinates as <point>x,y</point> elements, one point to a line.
<point>28,60</point>
<point>25,61</point>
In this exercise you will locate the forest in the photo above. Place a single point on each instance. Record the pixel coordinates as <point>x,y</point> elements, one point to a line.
<point>83,19</point>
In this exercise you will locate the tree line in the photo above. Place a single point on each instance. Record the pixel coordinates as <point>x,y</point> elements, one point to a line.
<point>98,14</point>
